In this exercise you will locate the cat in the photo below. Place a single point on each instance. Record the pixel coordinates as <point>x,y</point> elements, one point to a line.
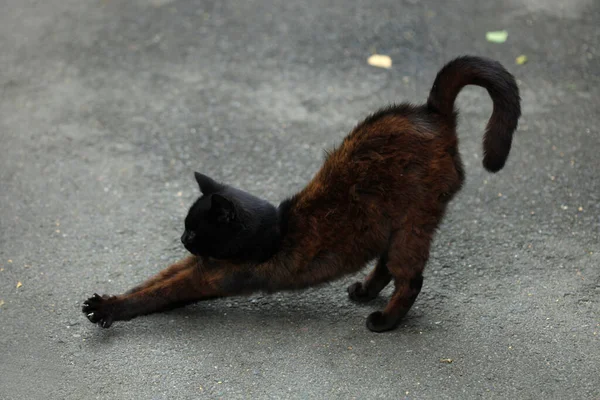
<point>379,196</point>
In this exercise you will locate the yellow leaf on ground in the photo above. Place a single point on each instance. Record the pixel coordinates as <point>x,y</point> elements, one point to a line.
<point>19,284</point>
<point>380,61</point>
<point>1,303</point>
<point>446,360</point>
<point>522,59</point>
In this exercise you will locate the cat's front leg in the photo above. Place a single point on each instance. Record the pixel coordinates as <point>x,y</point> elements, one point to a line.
<point>182,283</point>
<point>190,261</point>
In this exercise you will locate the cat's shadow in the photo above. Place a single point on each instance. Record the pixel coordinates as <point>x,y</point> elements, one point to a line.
<point>217,319</point>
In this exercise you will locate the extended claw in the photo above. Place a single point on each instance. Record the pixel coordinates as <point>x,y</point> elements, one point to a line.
<point>106,323</point>
<point>95,310</point>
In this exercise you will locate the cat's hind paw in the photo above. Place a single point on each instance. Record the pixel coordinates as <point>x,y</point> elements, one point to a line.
<point>357,293</point>
<point>380,322</point>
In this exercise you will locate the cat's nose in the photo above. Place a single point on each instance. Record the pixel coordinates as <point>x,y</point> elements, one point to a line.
<point>187,237</point>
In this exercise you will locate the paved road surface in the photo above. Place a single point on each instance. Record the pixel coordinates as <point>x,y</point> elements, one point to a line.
<point>106,108</point>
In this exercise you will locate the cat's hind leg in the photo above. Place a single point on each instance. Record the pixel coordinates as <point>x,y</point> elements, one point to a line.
<point>406,259</point>
<point>373,284</point>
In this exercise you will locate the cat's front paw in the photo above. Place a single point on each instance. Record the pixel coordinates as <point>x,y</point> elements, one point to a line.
<point>97,309</point>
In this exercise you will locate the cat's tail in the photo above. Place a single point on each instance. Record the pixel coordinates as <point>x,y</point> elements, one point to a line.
<point>503,90</point>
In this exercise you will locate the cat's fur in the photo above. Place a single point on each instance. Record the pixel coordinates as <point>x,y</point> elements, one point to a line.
<point>380,195</point>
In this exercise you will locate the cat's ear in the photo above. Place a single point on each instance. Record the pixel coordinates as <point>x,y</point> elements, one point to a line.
<point>207,185</point>
<point>222,208</point>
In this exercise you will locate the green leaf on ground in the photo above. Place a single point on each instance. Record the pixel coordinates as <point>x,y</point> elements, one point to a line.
<point>496,36</point>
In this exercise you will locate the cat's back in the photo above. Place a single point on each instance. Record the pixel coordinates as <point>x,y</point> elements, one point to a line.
<point>398,129</point>
<point>391,140</point>
<point>401,152</point>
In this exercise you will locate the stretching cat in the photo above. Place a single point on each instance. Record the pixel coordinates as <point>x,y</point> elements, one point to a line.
<point>380,195</point>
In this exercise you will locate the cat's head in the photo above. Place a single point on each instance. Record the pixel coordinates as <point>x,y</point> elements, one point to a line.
<point>227,223</point>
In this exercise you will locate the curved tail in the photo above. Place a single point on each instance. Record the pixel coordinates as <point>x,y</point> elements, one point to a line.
<point>503,90</point>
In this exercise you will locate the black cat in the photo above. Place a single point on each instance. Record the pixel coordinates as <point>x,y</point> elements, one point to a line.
<point>379,196</point>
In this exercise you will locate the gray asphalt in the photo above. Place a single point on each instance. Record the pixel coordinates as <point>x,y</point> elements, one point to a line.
<point>107,107</point>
